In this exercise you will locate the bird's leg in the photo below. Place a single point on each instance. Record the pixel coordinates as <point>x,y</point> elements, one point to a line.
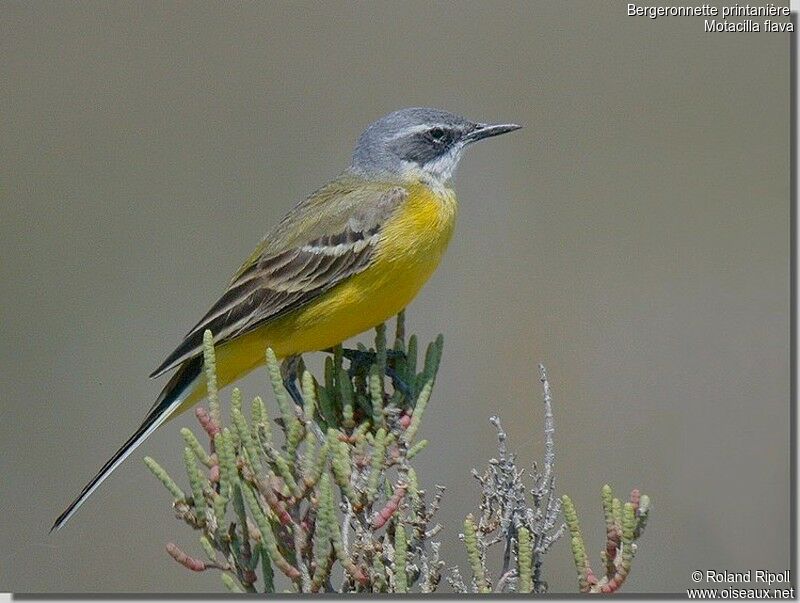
<point>289,368</point>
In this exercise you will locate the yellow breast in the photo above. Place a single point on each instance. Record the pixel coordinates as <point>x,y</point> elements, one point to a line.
<point>412,244</point>
<point>415,238</point>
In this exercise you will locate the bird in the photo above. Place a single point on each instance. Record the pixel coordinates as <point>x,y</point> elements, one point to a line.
<point>342,261</point>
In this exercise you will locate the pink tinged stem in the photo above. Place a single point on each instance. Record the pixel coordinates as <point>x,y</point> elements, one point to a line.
<point>381,517</point>
<point>636,496</point>
<point>209,425</point>
<point>213,473</point>
<point>196,565</point>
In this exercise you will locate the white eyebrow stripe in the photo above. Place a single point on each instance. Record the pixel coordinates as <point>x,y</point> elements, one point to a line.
<point>416,129</point>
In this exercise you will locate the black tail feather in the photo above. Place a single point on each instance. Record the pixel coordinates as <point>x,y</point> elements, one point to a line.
<point>165,404</point>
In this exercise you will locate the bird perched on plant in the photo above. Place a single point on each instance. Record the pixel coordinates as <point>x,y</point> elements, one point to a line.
<point>342,261</point>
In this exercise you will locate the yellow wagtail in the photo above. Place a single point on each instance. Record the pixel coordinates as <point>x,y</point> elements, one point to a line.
<point>342,261</point>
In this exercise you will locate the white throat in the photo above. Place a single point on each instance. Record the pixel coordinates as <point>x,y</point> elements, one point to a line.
<point>437,172</point>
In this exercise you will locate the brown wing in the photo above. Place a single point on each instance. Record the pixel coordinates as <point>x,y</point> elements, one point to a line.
<point>276,281</point>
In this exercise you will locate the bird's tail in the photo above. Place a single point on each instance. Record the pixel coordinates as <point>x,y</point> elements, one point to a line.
<point>175,392</point>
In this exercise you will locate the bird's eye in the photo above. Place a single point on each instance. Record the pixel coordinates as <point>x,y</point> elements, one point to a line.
<point>438,134</point>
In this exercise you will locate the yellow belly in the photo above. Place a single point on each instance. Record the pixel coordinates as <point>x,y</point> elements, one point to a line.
<point>412,244</point>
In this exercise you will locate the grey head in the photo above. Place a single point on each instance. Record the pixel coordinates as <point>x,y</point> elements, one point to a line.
<point>419,142</point>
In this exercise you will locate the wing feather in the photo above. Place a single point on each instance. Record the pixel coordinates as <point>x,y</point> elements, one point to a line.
<point>342,234</point>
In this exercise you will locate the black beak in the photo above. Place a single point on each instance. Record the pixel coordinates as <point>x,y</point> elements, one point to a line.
<point>482,131</point>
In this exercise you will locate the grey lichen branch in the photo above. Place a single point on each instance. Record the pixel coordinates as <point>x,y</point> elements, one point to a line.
<point>526,532</point>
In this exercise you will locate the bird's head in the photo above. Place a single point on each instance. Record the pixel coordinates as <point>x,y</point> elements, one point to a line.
<point>419,142</point>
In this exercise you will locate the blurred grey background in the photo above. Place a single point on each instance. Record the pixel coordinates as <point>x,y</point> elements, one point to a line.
<point>633,237</point>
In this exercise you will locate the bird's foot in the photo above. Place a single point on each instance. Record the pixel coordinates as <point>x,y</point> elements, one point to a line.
<point>361,360</point>
<point>367,357</point>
